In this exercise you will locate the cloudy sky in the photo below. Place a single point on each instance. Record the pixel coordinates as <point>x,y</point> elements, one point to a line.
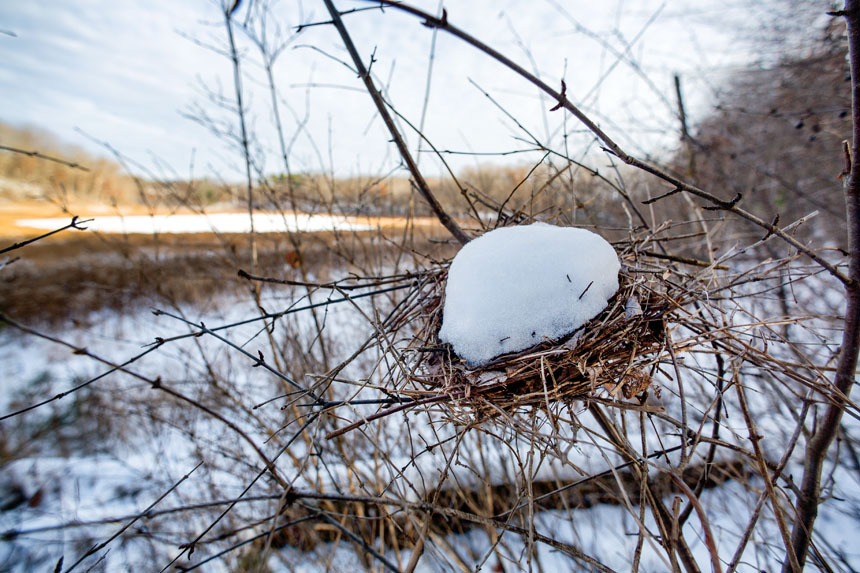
<point>136,75</point>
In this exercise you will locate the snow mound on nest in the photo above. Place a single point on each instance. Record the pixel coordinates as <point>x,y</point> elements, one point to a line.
<point>515,287</point>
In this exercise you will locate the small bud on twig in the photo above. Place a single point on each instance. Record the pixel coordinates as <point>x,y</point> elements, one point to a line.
<point>260,361</point>
<point>561,98</point>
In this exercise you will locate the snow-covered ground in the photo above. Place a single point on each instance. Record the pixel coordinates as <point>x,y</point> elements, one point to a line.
<point>113,448</point>
<point>208,223</point>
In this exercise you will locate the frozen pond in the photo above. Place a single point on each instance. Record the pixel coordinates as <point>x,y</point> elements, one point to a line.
<point>209,223</point>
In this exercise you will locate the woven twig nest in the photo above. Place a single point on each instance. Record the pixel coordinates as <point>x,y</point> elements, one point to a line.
<point>615,353</point>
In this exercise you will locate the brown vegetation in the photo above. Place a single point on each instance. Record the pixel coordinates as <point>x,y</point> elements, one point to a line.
<point>325,431</point>
<point>25,177</point>
<point>775,135</point>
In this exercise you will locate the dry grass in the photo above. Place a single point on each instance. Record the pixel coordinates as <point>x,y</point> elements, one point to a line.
<point>74,273</point>
<point>369,432</point>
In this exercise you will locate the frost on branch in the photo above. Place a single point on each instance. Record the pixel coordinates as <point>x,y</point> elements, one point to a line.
<point>516,287</point>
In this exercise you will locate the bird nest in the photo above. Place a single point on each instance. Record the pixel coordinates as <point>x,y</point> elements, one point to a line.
<point>613,356</point>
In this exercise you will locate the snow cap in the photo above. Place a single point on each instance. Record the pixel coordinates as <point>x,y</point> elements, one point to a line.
<point>515,287</point>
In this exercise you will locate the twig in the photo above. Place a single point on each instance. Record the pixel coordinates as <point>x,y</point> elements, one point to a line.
<point>455,514</point>
<point>190,546</point>
<point>822,438</point>
<point>383,413</point>
<point>358,541</point>
<point>259,360</point>
<point>755,440</point>
<point>144,513</point>
<point>156,384</point>
<point>685,260</point>
<point>293,310</point>
<point>244,542</point>
<point>376,281</point>
<point>739,551</point>
<point>39,155</point>
<point>710,542</point>
<point>609,145</point>
<point>686,139</point>
<point>73,225</point>
<point>301,27</point>
<point>420,182</point>
<point>269,57</point>
<point>63,394</point>
<point>160,341</point>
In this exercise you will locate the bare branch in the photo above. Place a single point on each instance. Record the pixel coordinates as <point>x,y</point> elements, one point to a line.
<point>39,155</point>
<point>75,224</point>
<point>420,182</point>
<point>819,443</point>
<point>609,145</point>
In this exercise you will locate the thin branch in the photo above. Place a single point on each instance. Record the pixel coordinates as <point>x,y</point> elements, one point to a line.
<point>420,182</point>
<point>156,384</point>
<point>710,542</point>
<point>609,145</point>
<point>40,155</point>
<point>73,225</point>
<point>818,445</point>
<point>190,546</point>
<point>685,260</point>
<point>454,514</point>
<point>358,541</point>
<point>244,542</point>
<point>755,439</point>
<point>144,513</point>
<point>259,360</point>
<point>240,110</point>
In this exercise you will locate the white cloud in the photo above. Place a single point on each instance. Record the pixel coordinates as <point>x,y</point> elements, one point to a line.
<point>120,71</point>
